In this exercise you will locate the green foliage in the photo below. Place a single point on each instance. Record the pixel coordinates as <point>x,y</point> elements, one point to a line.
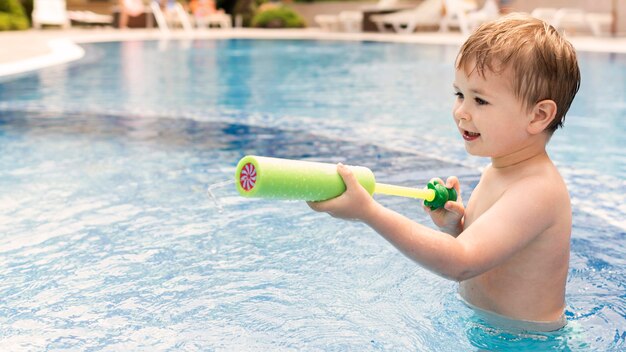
<point>278,17</point>
<point>11,6</point>
<point>12,15</point>
<point>243,8</point>
<point>28,7</point>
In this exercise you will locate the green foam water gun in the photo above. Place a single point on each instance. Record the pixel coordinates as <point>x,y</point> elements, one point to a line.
<point>274,178</point>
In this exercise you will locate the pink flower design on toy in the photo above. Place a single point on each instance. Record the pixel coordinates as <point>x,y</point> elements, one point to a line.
<point>247,177</point>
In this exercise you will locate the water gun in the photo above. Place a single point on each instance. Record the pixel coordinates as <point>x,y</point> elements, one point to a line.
<point>274,178</point>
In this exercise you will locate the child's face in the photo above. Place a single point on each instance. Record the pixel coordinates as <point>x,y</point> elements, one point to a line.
<point>491,120</point>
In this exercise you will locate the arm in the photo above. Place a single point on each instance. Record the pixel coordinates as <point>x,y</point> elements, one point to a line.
<point>489,241</point>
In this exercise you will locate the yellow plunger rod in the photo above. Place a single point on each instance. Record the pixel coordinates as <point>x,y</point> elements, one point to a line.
<point>426,194</point>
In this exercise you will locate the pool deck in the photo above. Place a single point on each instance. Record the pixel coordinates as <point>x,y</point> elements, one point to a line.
<point>34,49</point>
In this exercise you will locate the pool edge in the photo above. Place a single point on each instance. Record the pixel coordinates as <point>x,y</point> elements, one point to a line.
<point>63,45</point>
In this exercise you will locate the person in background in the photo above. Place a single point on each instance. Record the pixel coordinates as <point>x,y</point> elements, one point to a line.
<point>129,8</point>
<point>202,8</point>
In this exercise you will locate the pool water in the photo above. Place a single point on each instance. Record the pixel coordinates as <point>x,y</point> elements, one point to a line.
<point>109,241</point>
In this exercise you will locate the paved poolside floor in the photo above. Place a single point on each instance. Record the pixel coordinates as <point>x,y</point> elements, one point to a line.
<point>32,49</point>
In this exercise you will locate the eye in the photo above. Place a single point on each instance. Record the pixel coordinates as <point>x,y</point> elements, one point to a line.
<point>459,95</point>
<point>480,101</point>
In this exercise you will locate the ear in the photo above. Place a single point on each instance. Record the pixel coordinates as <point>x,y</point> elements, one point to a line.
<point>541,116</point>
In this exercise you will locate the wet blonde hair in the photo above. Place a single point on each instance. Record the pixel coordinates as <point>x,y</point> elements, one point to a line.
<point>544,64</point>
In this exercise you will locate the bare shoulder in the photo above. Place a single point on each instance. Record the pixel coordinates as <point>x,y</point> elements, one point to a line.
<point>541,181</point>
<point>530,197</point>
<point>542,191</point>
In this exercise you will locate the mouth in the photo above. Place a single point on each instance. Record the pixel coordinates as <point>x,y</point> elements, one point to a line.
<point>470,136</point>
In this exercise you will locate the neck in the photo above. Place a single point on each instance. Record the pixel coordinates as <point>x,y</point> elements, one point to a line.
<point>521,156</point>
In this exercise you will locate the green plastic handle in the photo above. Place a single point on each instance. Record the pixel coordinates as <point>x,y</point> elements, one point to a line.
<point>442,195</point>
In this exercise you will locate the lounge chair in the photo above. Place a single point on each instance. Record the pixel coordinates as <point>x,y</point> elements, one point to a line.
<point>329,23</point>
<point>489,11</point>
<point>428,13</point>
<point>222,20</point>
<point>50,12</point>
<point>347,21</point>
<point>456,15</point>
<point>172,16</point>
<point>206,14</point>
<point>350,21</point>
<point>385,4</point>
<point>466,16</point>
<point>565,18</point>
<point>596,21</point>
<point>544,13</point>
<point>89,18</point>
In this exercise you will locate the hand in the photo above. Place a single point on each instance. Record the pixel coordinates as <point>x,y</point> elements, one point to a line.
<point>449,218</point>
<point>354,204</point>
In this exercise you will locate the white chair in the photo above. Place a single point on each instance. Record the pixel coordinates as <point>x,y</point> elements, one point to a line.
<point>573,18</point>
<point>578,18</point>
<point>428,13</point>
<point>466,16</point>
<point>351,21</point>
<point>489,11</point>
<point>569,18</point>
<point>544,13</point>
<point>347,21</point>
<point>171,17</point>
<point>329,23</point>
<point>222,20</point>
<point>456,15</point>
<point>90,18</point>
<point>385,4</point>
<point>598,20</point>
<point>50,12</point>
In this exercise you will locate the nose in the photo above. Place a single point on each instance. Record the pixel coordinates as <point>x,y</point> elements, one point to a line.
<point>460,112</point>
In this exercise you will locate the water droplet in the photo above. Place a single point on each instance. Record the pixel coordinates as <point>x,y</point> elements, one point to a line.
<point>216,201</point>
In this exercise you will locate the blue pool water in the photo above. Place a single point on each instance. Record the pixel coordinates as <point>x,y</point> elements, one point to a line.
<point>108,240</point>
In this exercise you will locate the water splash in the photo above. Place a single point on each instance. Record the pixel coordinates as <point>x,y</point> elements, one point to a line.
<point>212,196</point>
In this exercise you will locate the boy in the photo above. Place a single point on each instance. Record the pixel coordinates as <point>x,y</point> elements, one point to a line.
<point>509,248</point>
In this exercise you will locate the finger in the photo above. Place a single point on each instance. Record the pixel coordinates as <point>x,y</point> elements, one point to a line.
<point>455,207</point>
<point>315,205</point>
<point>347,175</point>
<point>323,206</point>
<point>453,182</point>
